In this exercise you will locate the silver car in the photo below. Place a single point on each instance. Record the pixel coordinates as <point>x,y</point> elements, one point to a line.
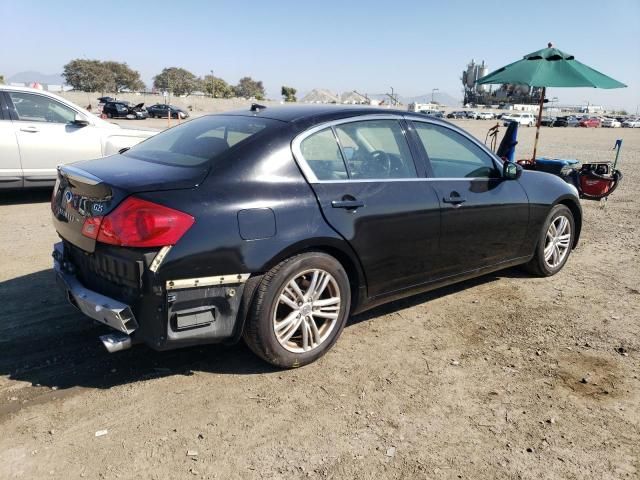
<point>40,130</point>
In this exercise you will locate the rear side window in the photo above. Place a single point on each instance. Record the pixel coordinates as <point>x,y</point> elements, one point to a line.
<point>200,140</point>
<point>322,154</point>
<point>376,150</point>
<point>452,155</point>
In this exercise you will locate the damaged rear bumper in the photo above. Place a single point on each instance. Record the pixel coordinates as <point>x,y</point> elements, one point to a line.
<point>109,311</point>
<point>165,314</point>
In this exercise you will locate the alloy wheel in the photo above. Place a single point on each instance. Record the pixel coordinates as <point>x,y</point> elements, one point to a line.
<point>307,310</point>
<point>557,241</point>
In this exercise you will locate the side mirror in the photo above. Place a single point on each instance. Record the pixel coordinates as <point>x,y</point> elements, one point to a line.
<point>511,171</point>
<point>80,121</point>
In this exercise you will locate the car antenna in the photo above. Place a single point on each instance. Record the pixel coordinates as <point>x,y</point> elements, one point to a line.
<point>256,107</point>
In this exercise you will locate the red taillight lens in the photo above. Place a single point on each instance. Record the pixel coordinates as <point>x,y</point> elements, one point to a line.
<point>139,223</point>
<point>91,227</point>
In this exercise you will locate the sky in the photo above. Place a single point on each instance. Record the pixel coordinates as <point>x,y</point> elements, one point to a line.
<point>412,46</point>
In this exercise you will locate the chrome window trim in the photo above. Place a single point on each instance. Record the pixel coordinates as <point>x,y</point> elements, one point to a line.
<point>307,170</point>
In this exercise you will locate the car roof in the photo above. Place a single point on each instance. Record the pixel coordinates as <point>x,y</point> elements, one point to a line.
<point>316,112</point>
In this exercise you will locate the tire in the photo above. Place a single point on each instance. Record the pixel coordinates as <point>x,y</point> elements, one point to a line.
<point>542,267</point>
<point>269,313</point>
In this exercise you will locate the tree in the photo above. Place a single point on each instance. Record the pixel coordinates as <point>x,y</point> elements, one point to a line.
<point>289,94</point>
<point>249,88</point>
<point>124,77</point>
<point>1,79</point>
<point>89,76</point>
<point>217,87</point>
<point>176,80</point>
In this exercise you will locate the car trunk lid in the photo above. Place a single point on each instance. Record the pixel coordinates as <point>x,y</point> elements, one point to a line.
<point>95,188</point>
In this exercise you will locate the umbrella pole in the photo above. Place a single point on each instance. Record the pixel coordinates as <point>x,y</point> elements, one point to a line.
<point>535,145</point>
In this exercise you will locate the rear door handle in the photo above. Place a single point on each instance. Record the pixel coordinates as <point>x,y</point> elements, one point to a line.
<point>29,129</point>
<point>348,204</point>
<point>454,199</point>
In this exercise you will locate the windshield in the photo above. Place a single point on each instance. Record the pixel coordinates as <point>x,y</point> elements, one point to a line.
<point>200,140</point>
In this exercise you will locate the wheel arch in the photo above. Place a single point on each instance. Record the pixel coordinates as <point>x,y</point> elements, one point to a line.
<point>576,211</point>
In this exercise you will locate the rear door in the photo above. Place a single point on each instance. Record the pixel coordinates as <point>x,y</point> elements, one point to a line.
<point>10,167</point>
<point>484,217</point>
<point>370,191</point>
<point>47,137</point>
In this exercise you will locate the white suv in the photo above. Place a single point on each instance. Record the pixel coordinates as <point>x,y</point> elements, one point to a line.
<point>39,131</point>
<point>527,119</point>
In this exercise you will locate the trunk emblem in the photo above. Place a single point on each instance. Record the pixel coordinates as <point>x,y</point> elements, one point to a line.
<point>68,196</point>
<point>97,208</point>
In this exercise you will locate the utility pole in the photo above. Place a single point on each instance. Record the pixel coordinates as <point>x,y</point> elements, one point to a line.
<point>433,90</point>
<point>213,85</point>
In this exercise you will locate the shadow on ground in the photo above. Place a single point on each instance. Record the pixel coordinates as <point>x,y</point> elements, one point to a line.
<point>15,197</point>
<point>46,342</point>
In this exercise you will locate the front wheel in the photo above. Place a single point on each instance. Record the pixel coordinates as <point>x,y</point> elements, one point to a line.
<point>554,243</point>
<point>299,310</point>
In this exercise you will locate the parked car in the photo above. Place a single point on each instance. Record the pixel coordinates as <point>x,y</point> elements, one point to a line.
<point>485,116</point>
<point>568,121</point>
<point>457,114</point>
<point>260,225</point>
<point>524,119</point>
<point>547,121</point>
<point>432,113</point>
<point>161,110</point>
<point>106,99</point>
<point>592,122</point>
<point>124,110</point>
<point>610,123</point>
<point>40,130</point>
<point>631,123</point>
<point>472,114</point>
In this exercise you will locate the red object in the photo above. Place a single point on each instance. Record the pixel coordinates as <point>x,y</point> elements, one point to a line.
<point>590,122</point>
<point>595,187</point>
<point>139,223</point>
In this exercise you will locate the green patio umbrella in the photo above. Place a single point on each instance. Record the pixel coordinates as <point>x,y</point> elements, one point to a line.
<point>549,67</point>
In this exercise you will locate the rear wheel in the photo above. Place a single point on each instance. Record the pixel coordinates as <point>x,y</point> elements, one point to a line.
<point>554,244</point>
<point>299,310</point>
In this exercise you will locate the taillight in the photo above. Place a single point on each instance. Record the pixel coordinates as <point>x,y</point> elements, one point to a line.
<point>139,223</point>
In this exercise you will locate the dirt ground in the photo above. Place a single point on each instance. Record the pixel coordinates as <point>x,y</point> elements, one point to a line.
<point>480,380</point>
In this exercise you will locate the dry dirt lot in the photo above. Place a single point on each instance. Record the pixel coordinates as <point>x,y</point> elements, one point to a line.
<point>480,380</point>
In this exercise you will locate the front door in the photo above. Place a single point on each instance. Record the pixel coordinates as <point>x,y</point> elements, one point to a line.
<point>484,217</point>
<point>47,137</point>
<point>371,193</point>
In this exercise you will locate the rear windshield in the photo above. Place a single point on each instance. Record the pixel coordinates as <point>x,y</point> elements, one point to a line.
<point>199,141</point>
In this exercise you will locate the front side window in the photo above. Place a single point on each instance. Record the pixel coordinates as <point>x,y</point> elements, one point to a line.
<point>452,155</point>
<point>38,108</point>
<point>199,141</point>
<point>376,149</point>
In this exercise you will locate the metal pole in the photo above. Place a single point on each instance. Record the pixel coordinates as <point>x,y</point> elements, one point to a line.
<point>535,145</point>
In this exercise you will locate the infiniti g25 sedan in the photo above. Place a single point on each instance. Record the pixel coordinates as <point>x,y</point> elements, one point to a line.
<point>276,224</point>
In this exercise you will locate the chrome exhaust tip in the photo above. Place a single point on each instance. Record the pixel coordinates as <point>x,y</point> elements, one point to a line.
<point>116,342</point>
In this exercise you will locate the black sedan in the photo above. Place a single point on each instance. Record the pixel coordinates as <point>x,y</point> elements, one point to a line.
<point>124,110</point>
<point>458,114</point>
<point>276,224</point>
<point>161,110</point>
<point>569,121</point>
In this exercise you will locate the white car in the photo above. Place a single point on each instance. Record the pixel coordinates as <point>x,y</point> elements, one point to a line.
<point>631,123</point>
<point>40,130</point>
<point>610,123</point>
<point>524,119</point>
<point>485,116</point>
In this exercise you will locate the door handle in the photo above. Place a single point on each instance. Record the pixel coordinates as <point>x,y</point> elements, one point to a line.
<point>348,204</point>
<point>454,199</point>
<point>29,129</point>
